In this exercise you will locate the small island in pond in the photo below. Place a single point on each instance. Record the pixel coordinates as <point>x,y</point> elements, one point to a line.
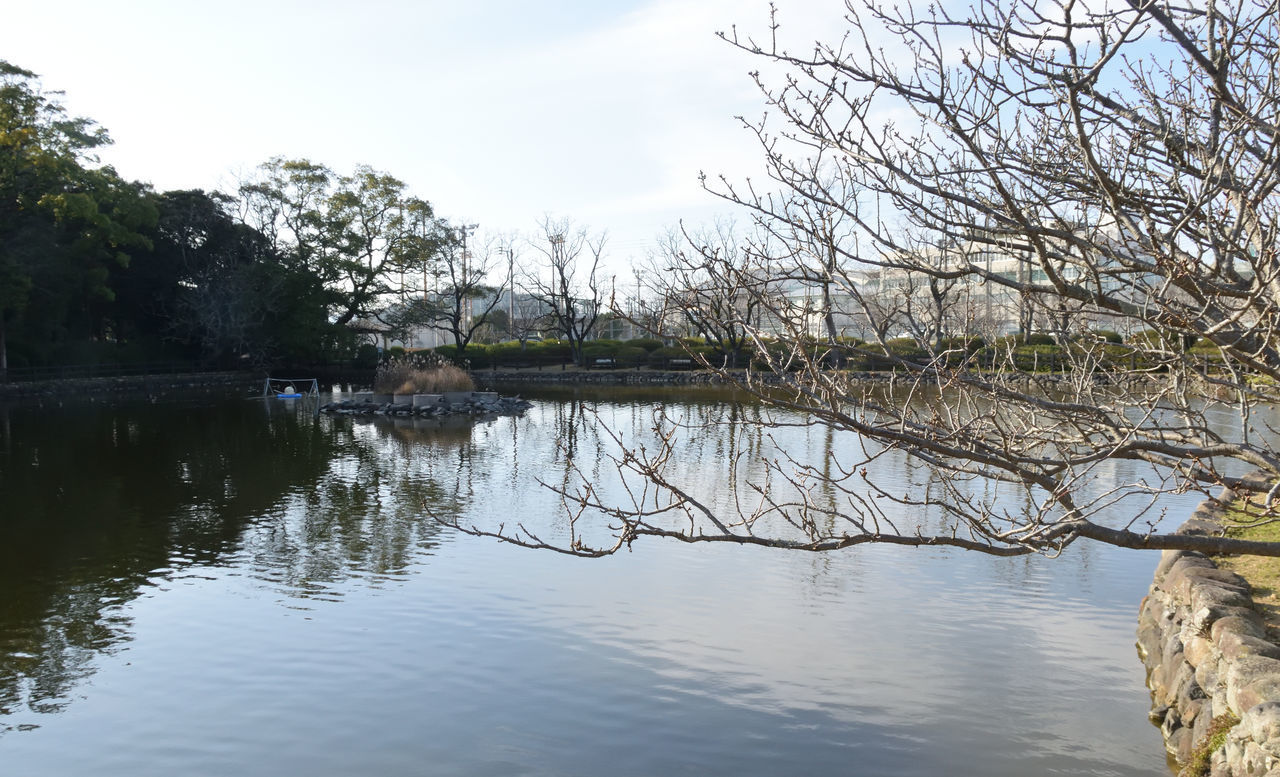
<point>458,403</point>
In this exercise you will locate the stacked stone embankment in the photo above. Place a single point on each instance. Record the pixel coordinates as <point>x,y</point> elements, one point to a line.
<point>454,403</point>
<point>1209,658</point>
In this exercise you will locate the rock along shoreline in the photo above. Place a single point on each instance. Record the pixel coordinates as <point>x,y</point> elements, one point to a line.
<point>1209,659</point>
<point>453,403</point>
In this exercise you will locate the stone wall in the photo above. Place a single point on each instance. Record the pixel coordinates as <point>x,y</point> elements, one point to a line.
<point>76,387</point>
<point>1208,657</point>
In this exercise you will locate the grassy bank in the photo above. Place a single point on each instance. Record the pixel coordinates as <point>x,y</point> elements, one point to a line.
<point>1262,572</point>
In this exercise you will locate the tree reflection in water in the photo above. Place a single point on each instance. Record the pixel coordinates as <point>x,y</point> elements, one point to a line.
<point>102,503</point>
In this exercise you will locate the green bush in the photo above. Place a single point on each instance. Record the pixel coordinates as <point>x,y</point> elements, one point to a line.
<point>551,351</point>
<point>646,343</point>
<point>1153,339</point>
<point>904,347</point>
<point>1024,340</point>
<point>506,353</point>
<point>477,356</point>
<point>970,344</point>
<point>1042,358</point>
<point>631,355</point>
<point>599,349</point>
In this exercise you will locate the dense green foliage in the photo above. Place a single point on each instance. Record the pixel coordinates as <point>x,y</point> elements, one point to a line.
<point>97,269</point>
<point>67,227</point>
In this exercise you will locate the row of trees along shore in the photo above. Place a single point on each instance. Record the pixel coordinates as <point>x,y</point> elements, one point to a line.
<point>1128,153</point>
<point>301,264</point>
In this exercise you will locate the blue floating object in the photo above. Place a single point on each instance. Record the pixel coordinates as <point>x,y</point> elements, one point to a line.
<point>288,396</point>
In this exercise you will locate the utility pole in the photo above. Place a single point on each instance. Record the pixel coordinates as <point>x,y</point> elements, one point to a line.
<point>467,311</point>
<point>511,291</point>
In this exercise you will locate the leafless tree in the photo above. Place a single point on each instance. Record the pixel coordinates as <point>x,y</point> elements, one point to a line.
<point>568,284</point>
<point>462,293</point>
<point>712,281</point>
<point>1121,161</point>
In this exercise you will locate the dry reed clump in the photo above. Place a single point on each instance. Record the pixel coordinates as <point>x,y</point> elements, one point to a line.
<point>431,374</point>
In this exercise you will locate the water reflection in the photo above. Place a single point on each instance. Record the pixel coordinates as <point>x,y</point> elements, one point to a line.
<point>260,592</point>
<point>104,503</point>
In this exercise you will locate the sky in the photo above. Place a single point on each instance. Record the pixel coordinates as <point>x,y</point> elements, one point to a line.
<point>498,112</point>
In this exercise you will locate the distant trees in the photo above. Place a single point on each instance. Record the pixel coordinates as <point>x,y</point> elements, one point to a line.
<point>361,234</point>
<point>712,280</point>
<point>1123,156</point>
<point>462,297</point>
<point>292,265</point>
<point>568,284</point>
<point>96,268</point>
<point>219,286</point>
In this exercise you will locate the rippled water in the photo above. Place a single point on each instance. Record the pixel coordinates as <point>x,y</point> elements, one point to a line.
<point>239,587</point>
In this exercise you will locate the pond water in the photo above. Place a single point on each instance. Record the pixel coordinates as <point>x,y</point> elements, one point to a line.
<point>225,586</point>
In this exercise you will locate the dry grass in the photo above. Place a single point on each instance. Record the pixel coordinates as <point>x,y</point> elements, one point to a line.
<point>1262,572</point>
<point>436,380</point>
<point>410,376</point>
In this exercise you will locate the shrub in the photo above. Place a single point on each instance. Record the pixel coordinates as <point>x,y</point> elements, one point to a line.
<point>904,346</point>
<point>647,343</point>
<point>1023,340</point>
<point>631,355</point>
<point>551,350</point>
<point>508,352</point>
<point>599,349</point>
<point>1040,357</point>
<point>971,344</point>
<point>476,355</point>
<point>662,357</point>
<point>1156,340</point>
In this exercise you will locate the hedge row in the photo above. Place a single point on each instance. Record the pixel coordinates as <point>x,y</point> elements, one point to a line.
<point>1036,352</point>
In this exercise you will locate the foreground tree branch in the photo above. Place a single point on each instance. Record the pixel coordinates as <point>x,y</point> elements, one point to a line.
<point>1020,247</point>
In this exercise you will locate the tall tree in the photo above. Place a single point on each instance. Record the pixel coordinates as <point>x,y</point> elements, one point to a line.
<point>568,283</point>
<point>360,234</point>
<point>64,222</point>
<point>220,287</point>
<point>712,279</point>
<point>463,296</point>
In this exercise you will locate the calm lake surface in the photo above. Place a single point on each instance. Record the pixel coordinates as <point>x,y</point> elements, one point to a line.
<point>222,586</point>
